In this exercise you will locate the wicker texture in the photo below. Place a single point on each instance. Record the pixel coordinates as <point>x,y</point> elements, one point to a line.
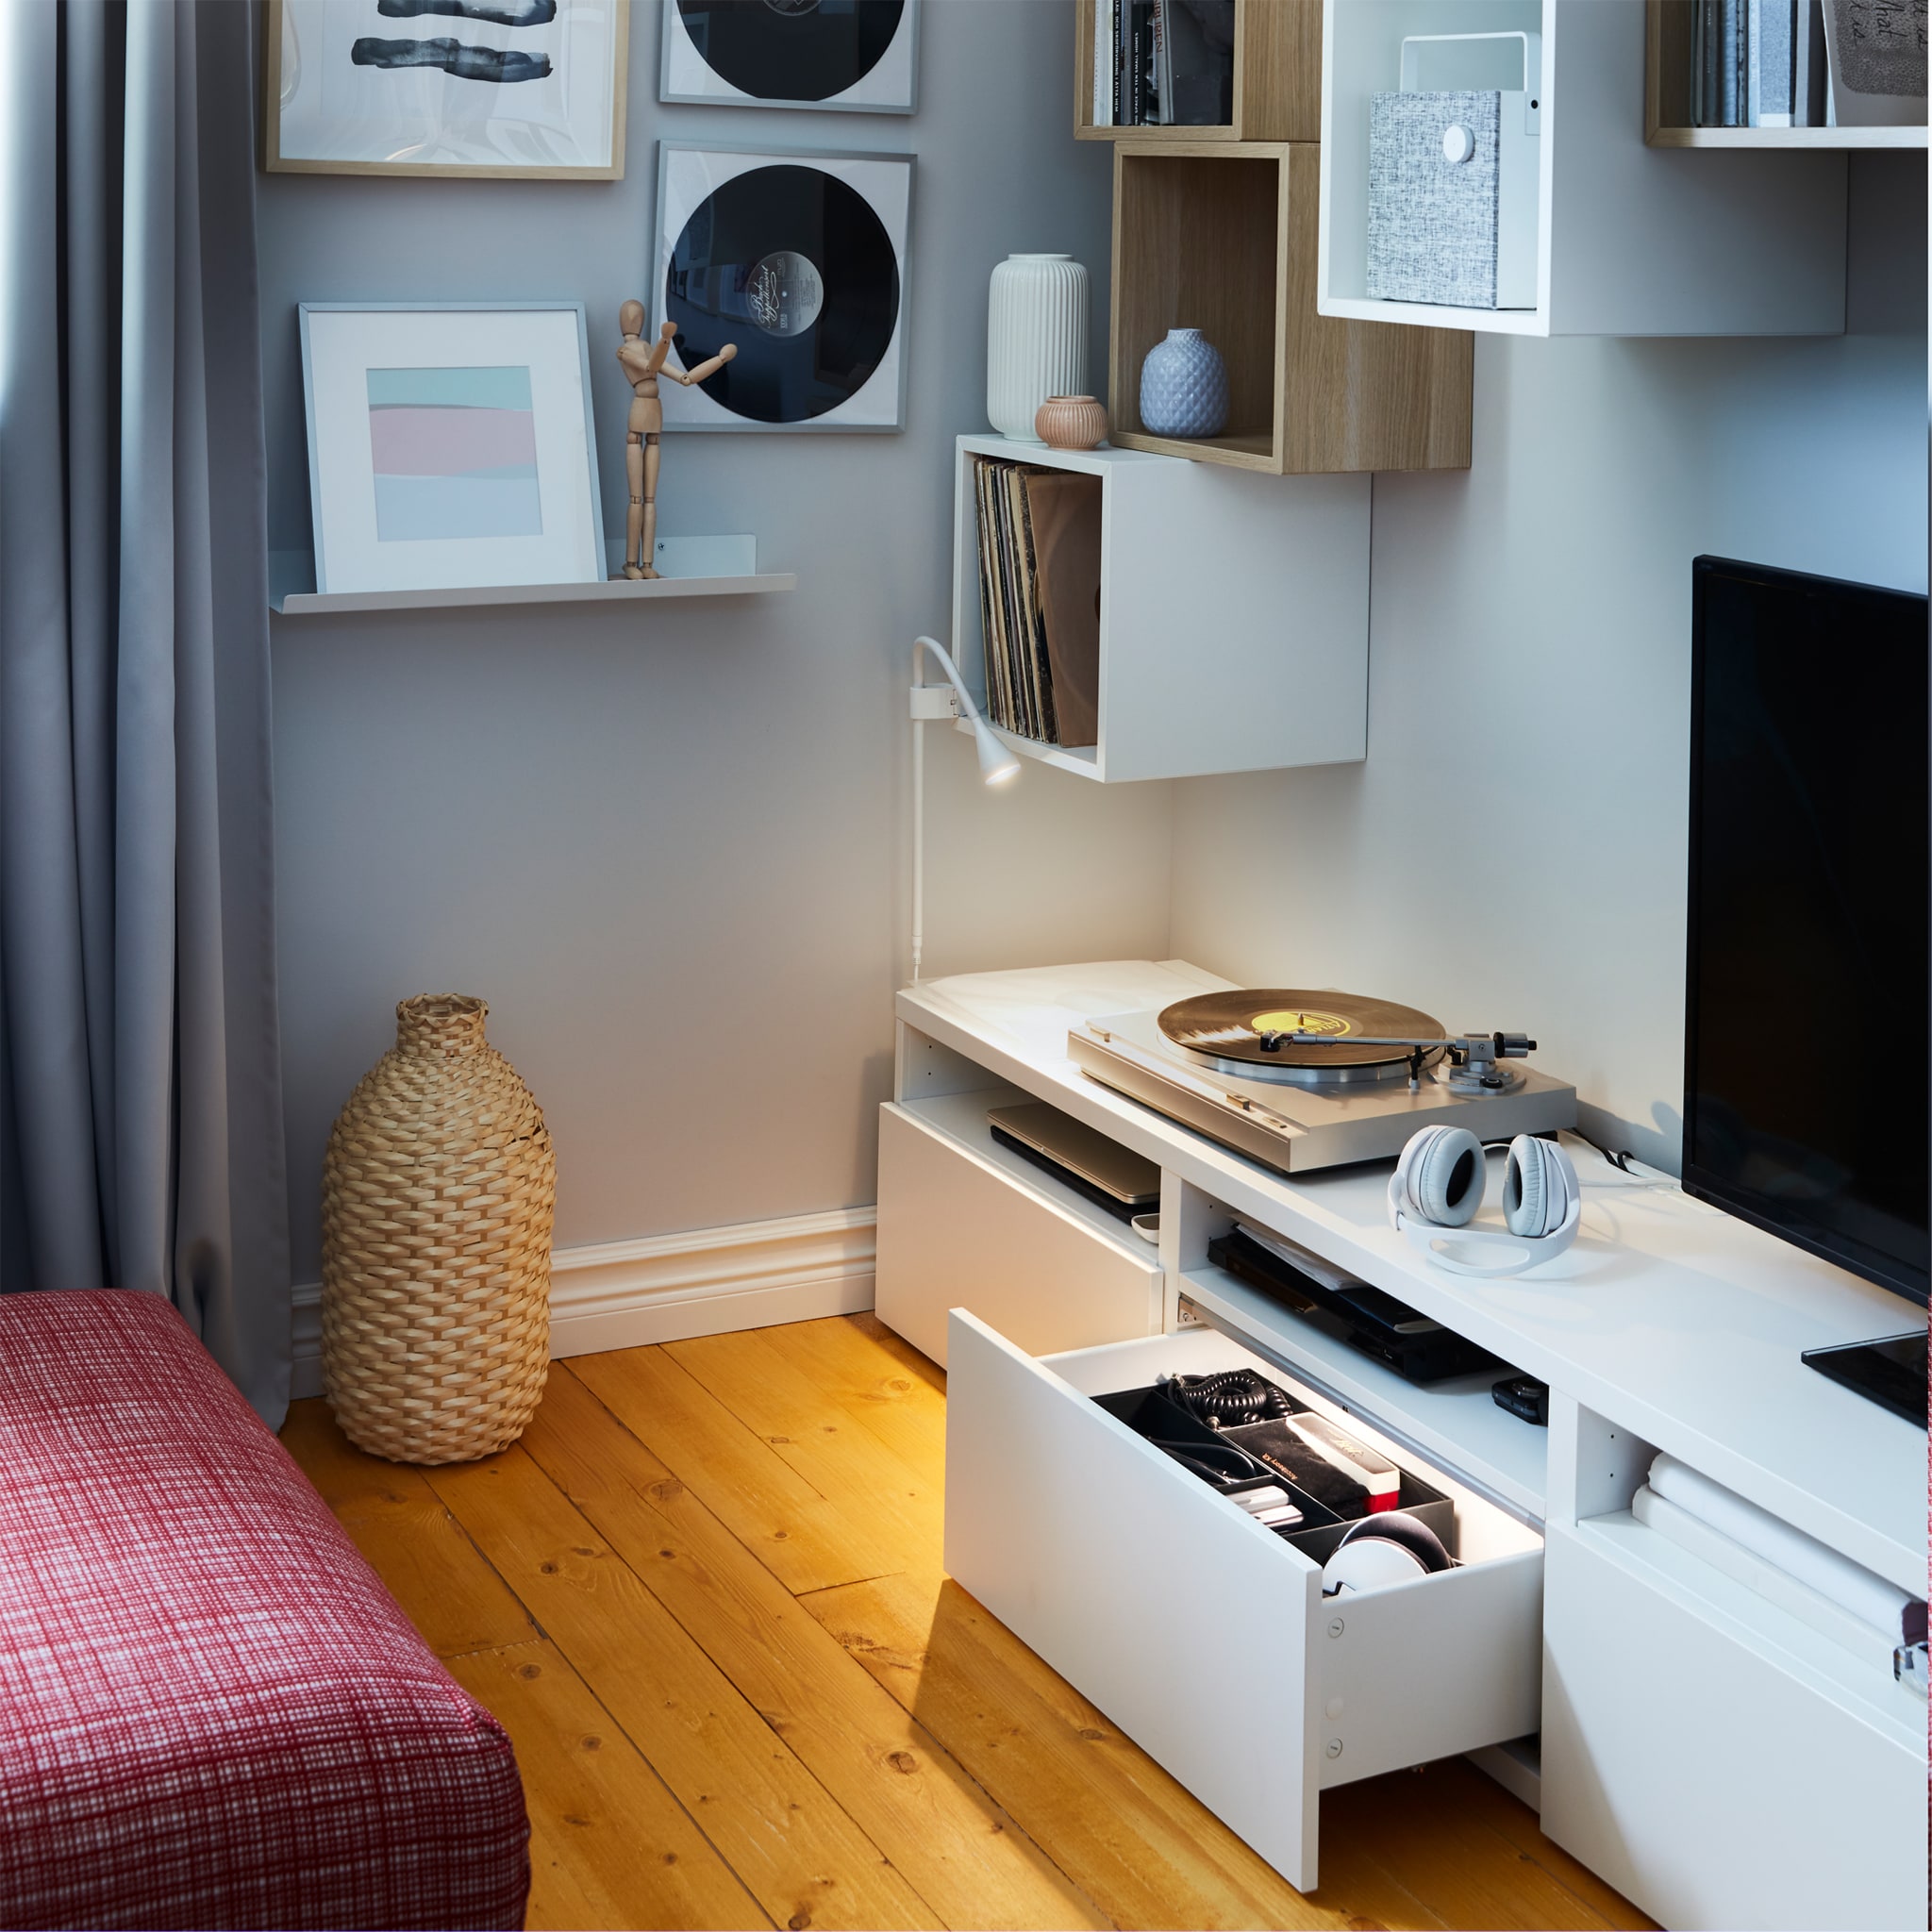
<point>438,1191</point>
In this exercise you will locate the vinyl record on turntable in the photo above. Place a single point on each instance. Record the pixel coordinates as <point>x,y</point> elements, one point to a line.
<point>847,55</point>
<point>799,261</point>
<point>1248,1032</point>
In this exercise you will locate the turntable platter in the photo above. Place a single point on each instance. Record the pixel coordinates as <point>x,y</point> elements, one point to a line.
<point>1245,1032</point>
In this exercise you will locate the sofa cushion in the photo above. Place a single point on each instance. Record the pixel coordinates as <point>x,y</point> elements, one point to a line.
<point>212,1712</point>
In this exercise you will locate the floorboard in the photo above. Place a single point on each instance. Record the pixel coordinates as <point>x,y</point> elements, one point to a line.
<point>609,1845</point>
<point>844,1460</point>
<point>804,1541</point>
<point>797,1850</point>
<point>957,1848</point>
<point>705,1596</point>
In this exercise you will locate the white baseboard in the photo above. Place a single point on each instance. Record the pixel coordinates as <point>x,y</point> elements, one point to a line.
<point>670,1286</point>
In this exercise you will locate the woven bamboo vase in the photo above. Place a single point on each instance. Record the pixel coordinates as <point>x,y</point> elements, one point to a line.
<point>437,1193</point>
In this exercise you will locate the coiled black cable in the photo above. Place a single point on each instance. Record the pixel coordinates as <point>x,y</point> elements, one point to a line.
<point>1227,1400</point>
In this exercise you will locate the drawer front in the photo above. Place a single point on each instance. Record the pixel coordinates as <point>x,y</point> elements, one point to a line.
<point>1201,1634</point>
<point>1706,1781</point>
<point>956,1231</point>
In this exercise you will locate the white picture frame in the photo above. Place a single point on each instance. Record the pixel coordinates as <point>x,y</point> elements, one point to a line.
<point>377,87</point>
<point>450,445</point>
<point>689,174</point>
<point>889,86</point>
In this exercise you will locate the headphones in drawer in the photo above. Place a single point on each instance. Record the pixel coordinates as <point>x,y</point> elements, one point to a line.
<point>1438,1185</point>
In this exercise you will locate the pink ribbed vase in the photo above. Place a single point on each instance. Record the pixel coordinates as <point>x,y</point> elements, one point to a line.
<point>1070,421</point>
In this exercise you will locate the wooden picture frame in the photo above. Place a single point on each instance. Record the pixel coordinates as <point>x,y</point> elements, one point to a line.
<point>574,133</point>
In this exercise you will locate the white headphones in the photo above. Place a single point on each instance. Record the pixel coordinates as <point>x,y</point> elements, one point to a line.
<point>1438,1184</point>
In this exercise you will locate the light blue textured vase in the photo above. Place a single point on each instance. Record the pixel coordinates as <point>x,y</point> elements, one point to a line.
<point>1184,387</point>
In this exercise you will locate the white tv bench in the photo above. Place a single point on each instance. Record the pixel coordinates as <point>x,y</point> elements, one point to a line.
<point>1716,1758</point>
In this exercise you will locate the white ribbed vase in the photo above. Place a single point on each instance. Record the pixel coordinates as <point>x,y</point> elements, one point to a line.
<point>1036,339</point>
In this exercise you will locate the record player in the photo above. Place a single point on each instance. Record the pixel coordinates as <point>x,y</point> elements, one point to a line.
<point>1299,1080</point>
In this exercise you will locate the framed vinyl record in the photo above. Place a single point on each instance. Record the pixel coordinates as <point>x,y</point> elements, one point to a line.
<point>796,260</point>
<point>851,56</point>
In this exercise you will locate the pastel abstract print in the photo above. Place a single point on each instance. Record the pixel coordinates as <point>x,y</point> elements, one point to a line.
<point>455,454</point>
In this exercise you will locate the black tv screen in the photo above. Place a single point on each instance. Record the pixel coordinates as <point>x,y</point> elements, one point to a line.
<point>1806,1050</point>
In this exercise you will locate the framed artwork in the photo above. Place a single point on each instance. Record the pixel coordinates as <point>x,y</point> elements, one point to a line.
<point>851,56</point>
<point>797,258</point>
<point>450,445</point>
<point>493,89</point>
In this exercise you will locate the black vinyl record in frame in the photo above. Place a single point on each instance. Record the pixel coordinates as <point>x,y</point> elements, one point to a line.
<point>798,260</point>
<point>849,55</point>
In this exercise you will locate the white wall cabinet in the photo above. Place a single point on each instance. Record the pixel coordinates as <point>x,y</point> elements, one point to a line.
<point>1631,239</point>
<point>1234,614</point>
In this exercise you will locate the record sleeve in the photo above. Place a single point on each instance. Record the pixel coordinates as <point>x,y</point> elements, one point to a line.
<point>798,259</point>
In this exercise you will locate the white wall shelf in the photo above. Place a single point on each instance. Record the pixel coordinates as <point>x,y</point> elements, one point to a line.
<point>1633,239</point>
<point>1789,140</point>
<point>350,602</point>
<point>1234,614</point>
<point>292,592</point>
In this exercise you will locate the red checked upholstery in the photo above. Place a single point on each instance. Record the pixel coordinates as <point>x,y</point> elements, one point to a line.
<point>211,1713</point>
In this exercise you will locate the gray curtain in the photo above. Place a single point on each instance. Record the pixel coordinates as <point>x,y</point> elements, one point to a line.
<point>141,1103</point>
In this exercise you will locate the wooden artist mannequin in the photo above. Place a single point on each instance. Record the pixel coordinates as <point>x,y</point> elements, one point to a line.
<point>642,367</point>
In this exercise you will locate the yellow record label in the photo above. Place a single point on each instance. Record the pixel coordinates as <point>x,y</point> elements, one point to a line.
<point>1330,1025</point>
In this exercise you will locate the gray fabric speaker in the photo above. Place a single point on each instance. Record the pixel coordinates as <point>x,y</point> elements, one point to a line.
<point>1434,223</point>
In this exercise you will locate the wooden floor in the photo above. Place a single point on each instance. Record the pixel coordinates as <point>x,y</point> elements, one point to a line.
<point>703,1595</point>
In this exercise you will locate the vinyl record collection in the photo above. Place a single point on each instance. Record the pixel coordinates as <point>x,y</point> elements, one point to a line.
<point>1757,63</point>
<point>1040,599</point>
<point>1163,63</point>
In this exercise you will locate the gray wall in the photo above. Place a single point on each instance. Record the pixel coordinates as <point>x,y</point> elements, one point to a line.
<point>1512,852</point>
<point>669,845</point>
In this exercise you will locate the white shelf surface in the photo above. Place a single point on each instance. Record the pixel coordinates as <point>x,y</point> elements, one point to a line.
<point>694,567</point>
<point>1790,140</point>
<point>1668,1317</point>
<point>621,591</point>
<point>1456,1421</point>
<point>1632,240</point>
<point>961,1119</point>
<point>1083,759</point>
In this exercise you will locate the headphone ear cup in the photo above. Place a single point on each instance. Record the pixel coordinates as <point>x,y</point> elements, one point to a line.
<point>1538,1187</point>
<point>1522,1187</point>
<point>1443,1175</point>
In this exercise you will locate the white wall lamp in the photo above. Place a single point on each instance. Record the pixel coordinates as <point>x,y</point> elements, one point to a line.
<point>997,765</point>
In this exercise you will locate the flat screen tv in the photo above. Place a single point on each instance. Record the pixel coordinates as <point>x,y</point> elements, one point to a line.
<point>1806,1055</point>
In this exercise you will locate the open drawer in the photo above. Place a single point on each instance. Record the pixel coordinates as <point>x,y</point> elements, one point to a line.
<point>1197,1630</point>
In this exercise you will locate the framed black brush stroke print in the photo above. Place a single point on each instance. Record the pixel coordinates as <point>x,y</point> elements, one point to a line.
<point>494,90</point>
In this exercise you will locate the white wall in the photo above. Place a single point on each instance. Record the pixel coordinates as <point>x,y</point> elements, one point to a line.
<point>1511,854</point>
<point>669,845</point>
